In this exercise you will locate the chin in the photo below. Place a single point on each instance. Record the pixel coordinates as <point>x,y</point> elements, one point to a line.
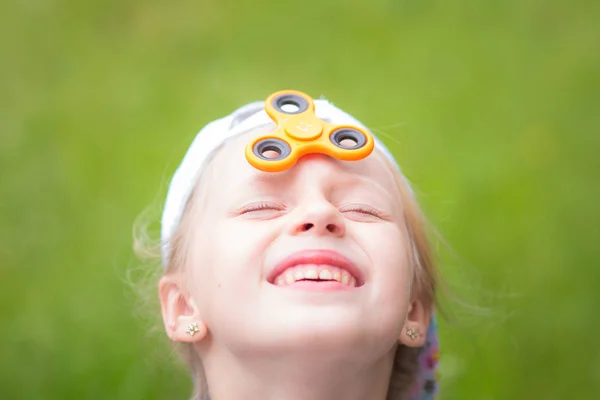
<point>324,331</point>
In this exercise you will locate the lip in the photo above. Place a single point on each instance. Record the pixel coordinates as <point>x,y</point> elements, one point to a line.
<point>318,257</point>
<point>323,286</point>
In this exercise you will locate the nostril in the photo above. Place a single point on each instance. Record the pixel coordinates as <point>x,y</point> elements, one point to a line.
<point>307,227</point>
<point>333,228</point>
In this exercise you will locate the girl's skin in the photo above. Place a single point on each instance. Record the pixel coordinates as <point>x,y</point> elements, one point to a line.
<point>258,340</point>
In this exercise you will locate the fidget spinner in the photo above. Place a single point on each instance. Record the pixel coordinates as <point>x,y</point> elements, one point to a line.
<point>299,132</point>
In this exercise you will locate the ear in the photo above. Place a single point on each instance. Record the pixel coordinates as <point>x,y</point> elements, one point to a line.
<point>416,324</point>
<point>179,312</point>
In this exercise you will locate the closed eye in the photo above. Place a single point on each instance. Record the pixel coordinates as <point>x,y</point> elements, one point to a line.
<point>364,210</point>
<point>261,206</point>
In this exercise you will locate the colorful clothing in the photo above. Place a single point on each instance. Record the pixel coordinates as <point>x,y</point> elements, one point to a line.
<point>426,384</point>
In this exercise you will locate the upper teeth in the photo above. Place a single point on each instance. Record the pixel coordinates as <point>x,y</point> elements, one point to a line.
<point>321,272</point>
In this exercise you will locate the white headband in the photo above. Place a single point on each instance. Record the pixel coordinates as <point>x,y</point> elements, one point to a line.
<point>211,137</point>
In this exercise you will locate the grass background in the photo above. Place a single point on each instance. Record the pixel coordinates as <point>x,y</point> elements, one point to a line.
<point>492,108</point>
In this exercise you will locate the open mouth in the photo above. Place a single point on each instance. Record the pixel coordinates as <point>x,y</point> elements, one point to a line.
<point>318,270</point>
<point>315,273</point>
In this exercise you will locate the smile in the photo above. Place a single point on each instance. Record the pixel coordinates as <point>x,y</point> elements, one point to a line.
<point>316,270</point>
<point>315,273</point>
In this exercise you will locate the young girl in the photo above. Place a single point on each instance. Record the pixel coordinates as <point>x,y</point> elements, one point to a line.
<point>297,274</point>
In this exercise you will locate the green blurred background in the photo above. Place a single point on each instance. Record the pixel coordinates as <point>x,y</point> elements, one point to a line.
<point>492,108</point>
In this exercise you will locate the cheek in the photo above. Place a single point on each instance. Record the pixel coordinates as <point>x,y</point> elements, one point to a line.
<point>388,249</point>
<point>239,249</point>
<point>227,267</point>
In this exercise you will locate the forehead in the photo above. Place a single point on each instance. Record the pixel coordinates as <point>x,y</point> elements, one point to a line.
<point>231,164</point>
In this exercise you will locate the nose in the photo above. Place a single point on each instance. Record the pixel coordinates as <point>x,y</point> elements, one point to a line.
<point>320,219</point>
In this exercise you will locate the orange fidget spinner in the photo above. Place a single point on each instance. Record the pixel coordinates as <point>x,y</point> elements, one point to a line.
<point>300,132</point>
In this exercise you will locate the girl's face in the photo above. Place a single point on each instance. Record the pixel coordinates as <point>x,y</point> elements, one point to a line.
<point>342,221</point>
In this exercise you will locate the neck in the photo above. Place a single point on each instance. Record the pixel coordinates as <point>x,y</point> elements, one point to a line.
<point>306,376</point>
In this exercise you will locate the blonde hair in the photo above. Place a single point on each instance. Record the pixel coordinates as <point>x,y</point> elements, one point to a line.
<point>426,276</point>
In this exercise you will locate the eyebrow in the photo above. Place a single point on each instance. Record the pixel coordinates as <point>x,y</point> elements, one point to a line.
<point>344,180</point>
<point>268,178</point>
<point>348,180</point>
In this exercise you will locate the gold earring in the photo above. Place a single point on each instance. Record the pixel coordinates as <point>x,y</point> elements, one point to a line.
<point>412,334</point>
<point>192,329</point>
